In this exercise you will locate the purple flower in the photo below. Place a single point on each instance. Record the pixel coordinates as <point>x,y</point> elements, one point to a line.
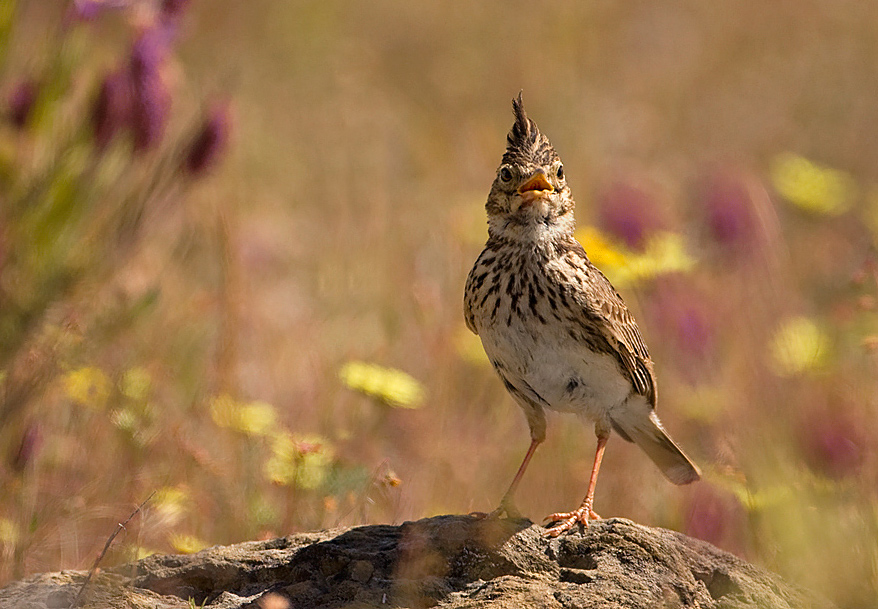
<point>694,330</point>
<point>210,141</point>
<point>150,108</point>
<point>173,9</point>
<point>629,213</point>
<point>87,10</point>
<point>683,316</point>
<point>151,99</point>
<point>31,441</point>
<point>150,51</point>
<point>112,107</point>
<point>729,199</point>
<point>833,443</point>
<point>21,102</point>
<point>715,517</point>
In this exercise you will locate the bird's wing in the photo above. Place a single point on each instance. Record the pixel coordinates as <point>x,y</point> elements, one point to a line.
<point>604,311</point>
<point>468,295</point>
<point>471,292</point>
<point>468,316</point>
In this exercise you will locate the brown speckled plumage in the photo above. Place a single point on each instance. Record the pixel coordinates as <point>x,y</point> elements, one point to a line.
<point>556,331</point>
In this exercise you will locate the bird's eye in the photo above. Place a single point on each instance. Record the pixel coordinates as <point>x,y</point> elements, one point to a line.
<point>505,173</point>
<point>560,172</point>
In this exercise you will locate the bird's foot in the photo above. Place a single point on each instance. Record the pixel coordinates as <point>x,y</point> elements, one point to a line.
<point>567,520</point>
<point>506,507</point>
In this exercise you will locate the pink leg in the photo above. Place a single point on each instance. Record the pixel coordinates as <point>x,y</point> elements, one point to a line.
<point>507,504</point>
<point>566,520</point>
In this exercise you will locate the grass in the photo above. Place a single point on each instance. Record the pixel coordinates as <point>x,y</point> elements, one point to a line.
<point>276,343</point>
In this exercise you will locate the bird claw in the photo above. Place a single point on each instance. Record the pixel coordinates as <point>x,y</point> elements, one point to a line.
<point>567,520</point>
<point>506,507</point>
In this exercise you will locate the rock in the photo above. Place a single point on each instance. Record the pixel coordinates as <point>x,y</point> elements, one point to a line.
<point>445,562</point>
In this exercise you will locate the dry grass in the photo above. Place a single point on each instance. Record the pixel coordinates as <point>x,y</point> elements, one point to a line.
<point>199,355</point>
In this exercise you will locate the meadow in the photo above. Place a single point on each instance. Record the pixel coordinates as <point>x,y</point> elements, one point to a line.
<point>234,238</point>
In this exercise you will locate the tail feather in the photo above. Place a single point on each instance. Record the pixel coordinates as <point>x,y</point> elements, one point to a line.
<point>648,433</point>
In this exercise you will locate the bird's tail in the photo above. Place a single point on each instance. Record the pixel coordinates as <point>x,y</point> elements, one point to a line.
<point>647,432</point>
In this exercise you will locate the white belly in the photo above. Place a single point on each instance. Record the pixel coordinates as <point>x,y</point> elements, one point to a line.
<point>565,373</point>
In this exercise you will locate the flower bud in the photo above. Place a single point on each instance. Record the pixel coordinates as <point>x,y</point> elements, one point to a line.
<point>151,99</point>
<point>21,102</point>
<point>729,213</point>
<point>86,10</point>
<point>111,111</point>
<point>31,441</point>
<point>210,141</point>
<point>173,9</point>
<point>833,443</point>
<point>629,213</point>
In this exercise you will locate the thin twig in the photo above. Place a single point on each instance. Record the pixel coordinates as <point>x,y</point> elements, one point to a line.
<point>119,528</point>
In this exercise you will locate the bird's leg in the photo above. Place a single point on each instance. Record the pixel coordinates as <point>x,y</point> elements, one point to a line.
<point>566,520</point>
<point>536,420</point>
<point>507,503</point>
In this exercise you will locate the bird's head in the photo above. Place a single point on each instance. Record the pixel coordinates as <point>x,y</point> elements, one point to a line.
<point>530,192</point>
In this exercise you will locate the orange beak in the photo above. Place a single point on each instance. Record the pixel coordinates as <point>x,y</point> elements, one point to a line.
<point>536,185</point>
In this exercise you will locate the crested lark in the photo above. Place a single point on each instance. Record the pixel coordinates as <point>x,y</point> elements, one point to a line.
<point>554,328</point>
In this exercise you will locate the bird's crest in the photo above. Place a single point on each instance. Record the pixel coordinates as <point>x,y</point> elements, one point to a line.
<point>525,143</point>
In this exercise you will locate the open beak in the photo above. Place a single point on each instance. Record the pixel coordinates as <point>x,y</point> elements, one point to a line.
<point>536,186</point>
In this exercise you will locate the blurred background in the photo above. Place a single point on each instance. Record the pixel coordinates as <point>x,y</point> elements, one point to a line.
<point>234,238</point>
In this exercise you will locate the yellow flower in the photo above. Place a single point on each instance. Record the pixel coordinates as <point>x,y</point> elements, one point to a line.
<point>603,253</point>
<point>141,552</point>
<point>252,419</point>
<point>665,252</point>
<point>88,387</point>
<point>171,504</point>
<point>258,419</point>
<point>811,186</point>
<point>392,386</point>
<point>755,500</point>
<point>8,532</point>
<point>136,384</point>
<point>301,461</point>
<point>186,544</point>
<point>798,346</point>
<point>224,410</point>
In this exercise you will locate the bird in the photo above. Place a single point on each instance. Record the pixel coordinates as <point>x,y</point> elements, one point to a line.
<point>555,330</point>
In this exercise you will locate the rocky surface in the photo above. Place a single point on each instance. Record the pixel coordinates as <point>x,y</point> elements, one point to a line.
<point>446,561</point>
